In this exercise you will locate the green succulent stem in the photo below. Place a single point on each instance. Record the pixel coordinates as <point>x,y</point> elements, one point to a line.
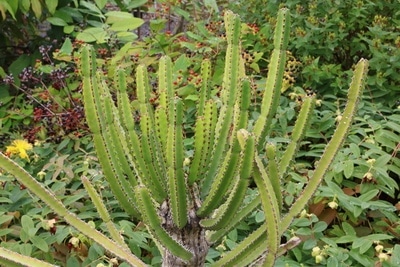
<point>331,149</point>
<point>10,259</point>
<point>50,199</point>
<point>104,215</point>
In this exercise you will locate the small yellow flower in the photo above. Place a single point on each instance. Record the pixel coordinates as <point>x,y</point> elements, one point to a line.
<point>379,248</point>
<point>333,205</point>
<point>19,147</point>
<point>383,257</point>
<point>315,251</point>
<point>319,258</point>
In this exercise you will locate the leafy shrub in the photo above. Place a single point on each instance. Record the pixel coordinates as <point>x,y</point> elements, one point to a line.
<point>331,36</point>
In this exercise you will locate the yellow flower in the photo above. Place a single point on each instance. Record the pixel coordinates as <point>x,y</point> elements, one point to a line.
<point>19,147</point>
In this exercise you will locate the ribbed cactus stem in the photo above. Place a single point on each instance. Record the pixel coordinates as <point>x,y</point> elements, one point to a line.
<point>331,149</point>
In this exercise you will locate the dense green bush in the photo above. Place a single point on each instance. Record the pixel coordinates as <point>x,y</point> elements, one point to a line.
<point>331,36</point>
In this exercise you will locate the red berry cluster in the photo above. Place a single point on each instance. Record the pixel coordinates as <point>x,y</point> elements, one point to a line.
<point>254,28</point>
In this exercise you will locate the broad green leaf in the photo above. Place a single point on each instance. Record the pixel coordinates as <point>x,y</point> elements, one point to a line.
<point>37,8</point>
<point>100,3</point>
<point>182,63</point>
<point>114,16</point>
<point>94,10</point>
<point>5,200</point>
<point>378,237</point>
<point>346,239</point>
<point>320,226</point>
<point>68,29</point>
<point>25,249</point>
<point>125,37</point>
<point>365,246</point>
<point>51,5</point>
<point>5,218</point>
<point>348,229</point>
<point>27,223</point>
<point>157,25</point>
<point>348,168</point>
<point>40,243</point>
<point>181,12</point>
<point>393,126</point>
<point>127,24</point>
<point>212,4</point>
<point>24,236</point>
<point>93,35</point>
<point>25,6</point>
<point>395,259</point>
<point>369,195</point>
<point>304,231</point>
<point>136,3</point>
<point>57,21</point>
<point>13,6</point>
<point>363,259</point>
<point>383,160</point>
<point>66,48</point>
<point>5,231</point>
<point>73,262</point>
<point>67,13</point>
<point>5,6</point>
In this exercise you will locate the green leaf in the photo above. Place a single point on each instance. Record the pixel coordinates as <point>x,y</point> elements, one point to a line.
<point>37,8</point>
<point>348,229</point>
<point>363,259</point>
<point>346,239</point>
<point>383,160</point>
<point>93,35</point>
<point>115,16</point>
<point>66,48</point>
<point>365,246</point>
<point>302,222</point>
<point>181,63</point>
<point>212,4</point>
<point>123,21</point>
<point>395,259</point>
<point>157,25</point>
<point>125,37</point>
<point>377,237</point>
<point>51,5</point>
<point>93,8</point>
<point>27,223</point>
<point>181,12</point>
<point>6,5</point>
<point>25,249</point>
<point>100,3</point>
<point>136,3</point>
<point>127,25</point>
<point>57,21</point>
<point>5,218</point>
<point>5,200</point>
<point>69,29</point>
<point>23,235</point>
<point>348,168</point>
<point>6,231</point>
<point>260,217</point>
<point>369,195</point>
<point>304,231</point>
<point>25,5</point>
<point>40,243</point>
<point>73,262</point>
<point>320,226</point>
